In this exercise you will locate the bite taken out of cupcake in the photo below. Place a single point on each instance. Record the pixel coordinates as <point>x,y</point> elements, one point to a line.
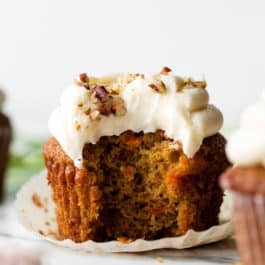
<point>246,149</point>
<point>135,156</point>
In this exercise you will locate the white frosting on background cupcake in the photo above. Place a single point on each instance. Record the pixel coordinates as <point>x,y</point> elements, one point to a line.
<point>246,146</point>
<point>145,103</point>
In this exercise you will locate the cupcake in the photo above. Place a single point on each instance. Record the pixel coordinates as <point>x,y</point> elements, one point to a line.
<point>135,156</point>
<point>246,181</point>
<point>5,139</point>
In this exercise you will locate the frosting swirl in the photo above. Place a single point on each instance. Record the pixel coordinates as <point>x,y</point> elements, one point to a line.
<point>246,146</point>
<point>179,107</point>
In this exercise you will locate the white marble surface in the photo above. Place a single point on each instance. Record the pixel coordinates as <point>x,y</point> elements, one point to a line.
<point>13,237</point>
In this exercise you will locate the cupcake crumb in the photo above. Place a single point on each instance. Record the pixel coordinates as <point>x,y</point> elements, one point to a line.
<point>36,200</point>
<point>159,260</point>
<point>41,233</point>
<point>124,240</point>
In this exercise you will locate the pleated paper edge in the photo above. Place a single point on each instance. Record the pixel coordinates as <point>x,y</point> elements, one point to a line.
<point>35,217</point>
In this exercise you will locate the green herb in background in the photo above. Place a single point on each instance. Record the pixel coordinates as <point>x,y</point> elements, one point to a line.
<point>26,160</point>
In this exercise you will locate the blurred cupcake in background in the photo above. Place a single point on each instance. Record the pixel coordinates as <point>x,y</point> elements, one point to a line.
<point>246,149</point>
<point>5,140</point>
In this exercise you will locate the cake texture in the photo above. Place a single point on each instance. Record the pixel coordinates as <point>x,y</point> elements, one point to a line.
<point>246,181</point>
<point>130,165</point>
<point>5,140</point>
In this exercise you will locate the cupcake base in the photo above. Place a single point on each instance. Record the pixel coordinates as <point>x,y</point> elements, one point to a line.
<point>40,218</point>
<point>135,186</point>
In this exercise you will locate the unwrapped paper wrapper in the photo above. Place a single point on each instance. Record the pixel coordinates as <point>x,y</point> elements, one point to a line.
<point>36,212</point>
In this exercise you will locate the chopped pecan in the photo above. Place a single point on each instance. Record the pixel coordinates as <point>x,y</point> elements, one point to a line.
<point>118,106</point>
<point>183,83</point>
<point>88,111</point>
<point>84,78</point>
<point>118,110</point>
<point>104,109</point>
<point>199,84</point>
<point>165,71</point>
<point>106,80</point>
<point>93,97</point>
<point>126,78</point>
<point>95,115</point>
<point>114,89</point>
<point>141,75</point>
<point>101,92</point>
<point>158,87</point>
<point>77,125</point>
<point>180,84</point>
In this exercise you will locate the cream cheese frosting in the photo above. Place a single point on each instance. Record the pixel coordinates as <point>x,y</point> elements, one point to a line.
<point>246,147</point>
<point>180,107</point>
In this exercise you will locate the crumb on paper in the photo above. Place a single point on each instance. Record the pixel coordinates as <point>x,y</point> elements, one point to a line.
<point>159,260</point>
<point>36,200</point>
<point>41,233</point>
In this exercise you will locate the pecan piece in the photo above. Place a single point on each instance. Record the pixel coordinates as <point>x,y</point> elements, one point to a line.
<point>199,84</point>
<point>118,106</point>
<point>158,87</point>
<point>180,84</point>
<point>101,92</point>
<point>95,115</point>
<point>165,71</point>
<point>189,83</point>
<point>84,78</point>
<point>77,126</point>
<point>88,111</point>
<point>104,109</point>
<point>141,75</point>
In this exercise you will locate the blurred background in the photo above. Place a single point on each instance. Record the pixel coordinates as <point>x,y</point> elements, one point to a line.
<point>44,45</point>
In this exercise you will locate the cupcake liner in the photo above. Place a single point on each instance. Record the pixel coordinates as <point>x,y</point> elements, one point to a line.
<point>249,216</point>
<point>36,212</point>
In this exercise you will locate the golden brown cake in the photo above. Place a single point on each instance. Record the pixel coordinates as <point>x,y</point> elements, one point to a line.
<point>125,182</point>
<point>246,181</point>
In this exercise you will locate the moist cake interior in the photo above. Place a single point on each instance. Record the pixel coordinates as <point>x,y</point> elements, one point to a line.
<point>142,180</point>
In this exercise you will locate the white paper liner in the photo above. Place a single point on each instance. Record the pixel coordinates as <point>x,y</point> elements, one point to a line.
<point>36,212</point>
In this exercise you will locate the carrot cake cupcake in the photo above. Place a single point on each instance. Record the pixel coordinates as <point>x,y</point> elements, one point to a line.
<point>135,156</point>
<point>246,180</point>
